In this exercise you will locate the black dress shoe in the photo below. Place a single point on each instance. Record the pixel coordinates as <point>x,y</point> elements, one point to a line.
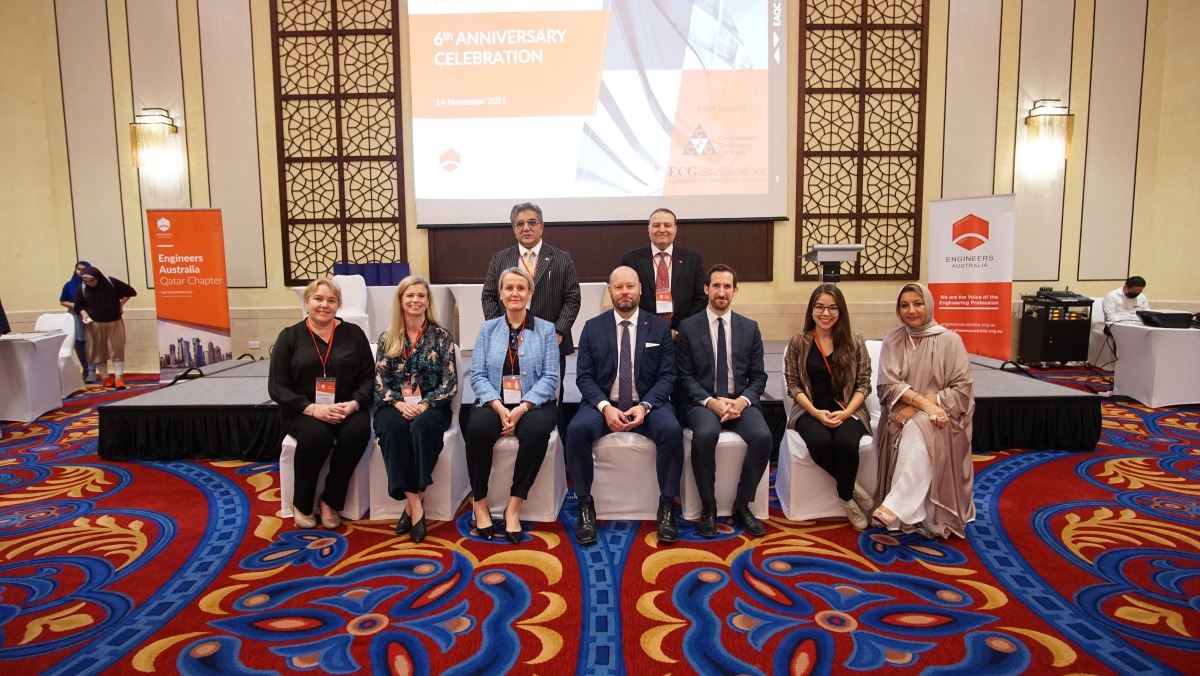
<point>418,530</point>
<point>404,524</point>
<point>706,526</point>
<point>585,526</point>
<point>668,530</point>
<point>486,532</point>
<point>749,522</point>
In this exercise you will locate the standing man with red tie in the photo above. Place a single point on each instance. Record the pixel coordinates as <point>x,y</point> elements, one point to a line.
<point>672,277</point>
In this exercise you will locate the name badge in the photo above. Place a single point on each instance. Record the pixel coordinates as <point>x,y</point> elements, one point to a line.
<point>512,390</point>
<point>326,390</point>
<point>411,394</point>
<point>662,301</point>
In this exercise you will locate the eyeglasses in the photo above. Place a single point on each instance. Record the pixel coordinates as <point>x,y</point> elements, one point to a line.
<point>822,309</point>
<point>532,223</point>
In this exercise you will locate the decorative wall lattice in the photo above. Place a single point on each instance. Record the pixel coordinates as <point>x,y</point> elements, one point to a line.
<point>341,174</point>
<point>861,116</point>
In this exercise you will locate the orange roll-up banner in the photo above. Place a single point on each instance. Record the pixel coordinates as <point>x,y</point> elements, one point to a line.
<point>191,294</point>
<point>970,270</point>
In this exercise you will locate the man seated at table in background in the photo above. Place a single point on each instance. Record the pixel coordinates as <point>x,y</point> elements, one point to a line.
<point>626,372</point>
<point>1122,304</point>
<point>672,277</point>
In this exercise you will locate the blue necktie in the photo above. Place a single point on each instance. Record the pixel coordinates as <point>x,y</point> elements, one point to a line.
<point>722,360</point>
<point>625,371</point>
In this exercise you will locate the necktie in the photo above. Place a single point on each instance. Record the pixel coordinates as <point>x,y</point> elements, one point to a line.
<point>529,261</point>
<point>625,371</point>
<point>722,360</point>
<point>661,281</point>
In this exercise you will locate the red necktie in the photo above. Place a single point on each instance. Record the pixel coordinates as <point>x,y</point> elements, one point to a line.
<point>661,281</point>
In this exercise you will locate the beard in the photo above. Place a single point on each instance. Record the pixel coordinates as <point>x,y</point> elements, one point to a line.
<point>626,304</point>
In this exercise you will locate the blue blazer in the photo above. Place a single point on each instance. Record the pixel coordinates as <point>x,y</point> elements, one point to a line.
<point>653,359</point>
<point>697,365</point>
<point>538,361</point>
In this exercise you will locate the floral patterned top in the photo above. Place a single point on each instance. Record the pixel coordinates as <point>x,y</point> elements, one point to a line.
<point>430,365</point>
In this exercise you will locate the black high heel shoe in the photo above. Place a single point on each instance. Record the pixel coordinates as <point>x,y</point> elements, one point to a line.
<point>405,524</point>
<point>418,530</point>
<point>486,532</point>
<point>514,536</point>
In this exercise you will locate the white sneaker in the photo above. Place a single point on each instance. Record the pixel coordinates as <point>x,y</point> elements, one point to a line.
<point>864,500</point>
<point>853,512</point>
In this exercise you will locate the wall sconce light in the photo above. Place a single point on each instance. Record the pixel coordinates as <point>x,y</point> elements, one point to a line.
<point>153,135</point>
<point>1048,130</point>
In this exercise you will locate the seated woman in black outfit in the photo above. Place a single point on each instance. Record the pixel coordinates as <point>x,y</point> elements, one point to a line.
<point>322,377</point>
<point>514,372</point>
<point>415,383</point>
<point>830,385</point>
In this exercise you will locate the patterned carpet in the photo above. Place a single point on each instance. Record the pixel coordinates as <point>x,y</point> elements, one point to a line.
<point>1078,563</point>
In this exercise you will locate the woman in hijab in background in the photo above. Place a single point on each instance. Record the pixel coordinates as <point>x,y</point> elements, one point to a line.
<point>67,300</point>
<point>927,401</point>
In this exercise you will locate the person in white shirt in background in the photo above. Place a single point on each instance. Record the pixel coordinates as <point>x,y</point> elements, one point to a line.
<point>1123,304</point>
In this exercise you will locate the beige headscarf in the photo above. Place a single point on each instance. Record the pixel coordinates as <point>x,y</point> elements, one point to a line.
<point>931,327</point>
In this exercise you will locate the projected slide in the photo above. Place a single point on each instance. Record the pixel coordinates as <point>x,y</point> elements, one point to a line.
<point>598,110</point>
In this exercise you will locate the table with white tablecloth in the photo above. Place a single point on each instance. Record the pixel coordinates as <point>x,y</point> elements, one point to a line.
<point>29,374</point>
<point>1158,367</point>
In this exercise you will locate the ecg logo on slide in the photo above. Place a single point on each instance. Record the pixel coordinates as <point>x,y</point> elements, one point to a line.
<point>970,232</point>
<point>163,225</point>
<point>700,144</point>
<point>449,159</point>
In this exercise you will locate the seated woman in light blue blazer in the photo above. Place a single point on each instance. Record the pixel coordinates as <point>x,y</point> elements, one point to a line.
<point>514,373</point>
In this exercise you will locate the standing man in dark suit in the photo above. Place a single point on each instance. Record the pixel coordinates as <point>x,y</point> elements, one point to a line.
<point>626,372</point>
<point>720,361</point>
<point>556,287</point>
<point>672,277</point>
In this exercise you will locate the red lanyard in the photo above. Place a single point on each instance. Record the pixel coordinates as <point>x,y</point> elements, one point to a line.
<point>821,352</point>
<point>412,348</point>
<point>328,346</point>
<point>512,357</point>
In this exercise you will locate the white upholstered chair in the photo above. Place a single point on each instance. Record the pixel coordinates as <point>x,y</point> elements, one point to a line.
<point>806,491</point>
<point>70,373</point>
<point>451,484</point>
<point>731,451</point>
<point>358,495</point>
<point>548,492</point>
<point>625,479</point>
<point>353,307</point>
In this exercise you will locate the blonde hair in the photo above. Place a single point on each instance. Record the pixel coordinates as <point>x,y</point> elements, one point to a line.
<point>393,338</point>
<point>515,270</point>
<point>314,284</point>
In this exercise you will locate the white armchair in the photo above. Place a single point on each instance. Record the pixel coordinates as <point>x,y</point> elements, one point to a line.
<point>354,302</point>
<point>70,376</point>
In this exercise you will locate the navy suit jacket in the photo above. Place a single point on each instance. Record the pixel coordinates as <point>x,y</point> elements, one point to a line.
<point>687,281</point>
<point>653,359</point>
<point>697,365</point>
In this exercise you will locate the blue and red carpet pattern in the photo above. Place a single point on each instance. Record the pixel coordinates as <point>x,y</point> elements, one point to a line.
<point>1079,563</point>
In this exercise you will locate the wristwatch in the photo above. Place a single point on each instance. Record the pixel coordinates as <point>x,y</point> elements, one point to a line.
<point>645,406</point>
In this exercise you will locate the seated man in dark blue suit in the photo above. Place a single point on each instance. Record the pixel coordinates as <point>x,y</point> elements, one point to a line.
<point>636,343</point>
<point>719,356</point>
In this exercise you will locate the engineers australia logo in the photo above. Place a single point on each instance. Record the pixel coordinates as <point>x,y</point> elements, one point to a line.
<point>970,232</point>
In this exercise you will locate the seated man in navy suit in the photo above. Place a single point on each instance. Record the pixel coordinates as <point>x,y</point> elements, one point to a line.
<point>636,344</point>
<point>719,356</point>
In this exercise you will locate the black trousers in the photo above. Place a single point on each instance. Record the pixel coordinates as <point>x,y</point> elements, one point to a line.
<point>533,436</point>
<point>660,425</point>
<point>835,450</point>
<point>706,428</point>
<point>342,444</point>
<point>410,448</point>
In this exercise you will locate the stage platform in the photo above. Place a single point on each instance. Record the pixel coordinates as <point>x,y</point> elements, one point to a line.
<point>227,413</point>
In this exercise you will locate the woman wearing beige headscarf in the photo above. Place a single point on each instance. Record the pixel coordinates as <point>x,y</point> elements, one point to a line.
<point>927,401</point>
